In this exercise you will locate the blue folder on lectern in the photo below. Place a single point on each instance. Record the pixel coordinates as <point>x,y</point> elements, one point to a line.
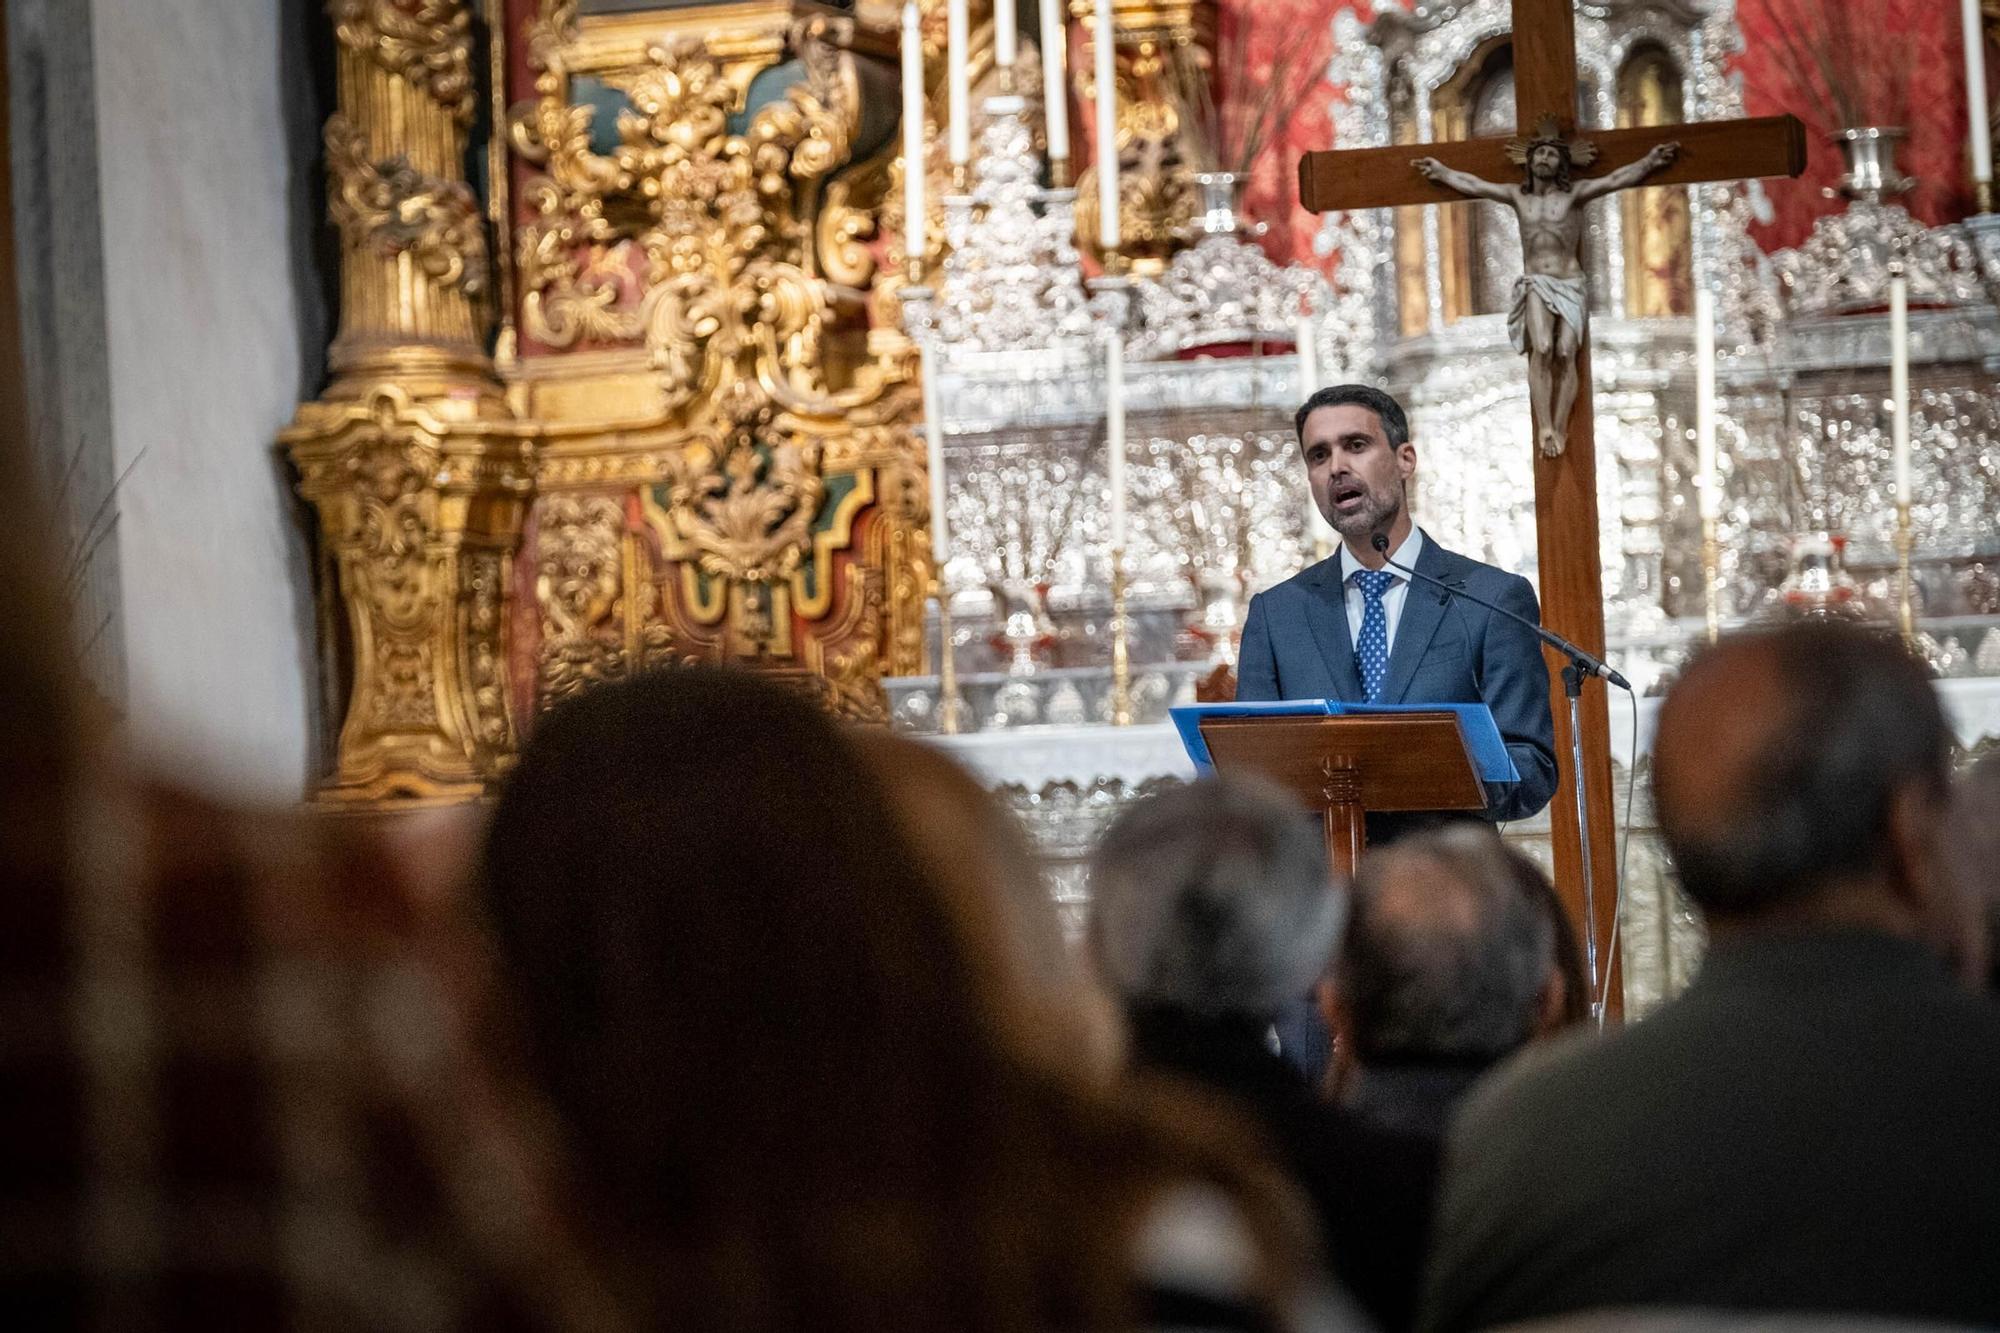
<point>1475,721</point>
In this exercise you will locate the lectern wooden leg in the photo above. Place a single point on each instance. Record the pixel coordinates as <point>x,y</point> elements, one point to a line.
<point>1346,828</point>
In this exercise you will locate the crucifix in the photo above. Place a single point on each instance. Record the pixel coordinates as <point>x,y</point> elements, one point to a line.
<point>1566,523</point>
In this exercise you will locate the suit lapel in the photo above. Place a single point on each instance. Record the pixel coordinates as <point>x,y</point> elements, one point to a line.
<point>1326,612</point>
<point>1423,611</point>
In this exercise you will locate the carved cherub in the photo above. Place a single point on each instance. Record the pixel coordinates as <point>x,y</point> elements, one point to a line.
<point>1550,310</point>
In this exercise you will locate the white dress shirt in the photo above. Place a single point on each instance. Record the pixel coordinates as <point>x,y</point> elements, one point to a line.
<point>1393,598</point>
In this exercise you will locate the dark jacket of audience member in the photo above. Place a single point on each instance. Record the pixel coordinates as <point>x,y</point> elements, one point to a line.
<point>1211,908</point>
<point>1972,860</point>
<point>1810,1127</point>
<point>1448,965</point>
<point>778,1050</point>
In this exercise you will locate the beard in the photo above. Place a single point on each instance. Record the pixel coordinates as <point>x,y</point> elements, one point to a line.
<point>1378,510</point>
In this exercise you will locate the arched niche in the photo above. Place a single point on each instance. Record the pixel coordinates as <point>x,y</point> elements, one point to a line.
<point>1658,235</point>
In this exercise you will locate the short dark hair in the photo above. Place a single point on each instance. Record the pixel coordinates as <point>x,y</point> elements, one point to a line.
<point>1859,723</point>
<point>1395,424</point>
<point>1462,979</point>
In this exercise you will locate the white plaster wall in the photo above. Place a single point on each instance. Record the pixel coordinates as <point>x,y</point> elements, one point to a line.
<point>206,361</point>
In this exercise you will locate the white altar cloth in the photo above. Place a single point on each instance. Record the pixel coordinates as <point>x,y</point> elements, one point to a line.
<point>1033,758</point>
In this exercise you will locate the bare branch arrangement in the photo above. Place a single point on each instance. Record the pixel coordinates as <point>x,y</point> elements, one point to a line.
<point>1234,116</point>
<point>1846,62</point>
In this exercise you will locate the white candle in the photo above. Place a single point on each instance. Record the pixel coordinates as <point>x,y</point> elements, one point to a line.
<point>1109,235</point>
<point>958,79</point>
<point>1975,89</point>
<point>1305,339</point>
<point>1114,434</point>
<point>1055,84</point>
<point>1005,33</point>
<point>934,462</point>
<point>915,217</point>
<point>1708,485</point>
<point>1899,381</point>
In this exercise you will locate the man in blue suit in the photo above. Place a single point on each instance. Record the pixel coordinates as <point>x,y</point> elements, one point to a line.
<point>1353,629</point>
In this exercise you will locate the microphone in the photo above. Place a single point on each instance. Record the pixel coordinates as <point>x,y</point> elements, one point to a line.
<point>1583,661</point>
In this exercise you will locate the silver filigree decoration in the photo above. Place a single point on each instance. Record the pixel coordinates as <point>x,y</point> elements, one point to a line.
<point>1013,279</point>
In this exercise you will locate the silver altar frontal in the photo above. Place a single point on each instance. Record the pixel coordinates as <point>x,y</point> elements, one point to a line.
<point>1216,351</point>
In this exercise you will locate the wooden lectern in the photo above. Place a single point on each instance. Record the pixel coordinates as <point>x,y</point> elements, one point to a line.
<point>1350,764</point>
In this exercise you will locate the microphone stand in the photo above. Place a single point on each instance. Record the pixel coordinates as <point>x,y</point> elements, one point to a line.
<point>1580,664</point>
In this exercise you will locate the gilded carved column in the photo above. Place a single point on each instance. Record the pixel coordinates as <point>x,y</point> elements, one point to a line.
<point>417,470</point>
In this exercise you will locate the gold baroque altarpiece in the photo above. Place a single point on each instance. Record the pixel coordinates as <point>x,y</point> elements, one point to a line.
<point>650,423</point>
<point>636,394</point>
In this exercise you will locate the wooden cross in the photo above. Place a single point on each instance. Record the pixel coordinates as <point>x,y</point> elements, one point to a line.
<point>1572,584</point>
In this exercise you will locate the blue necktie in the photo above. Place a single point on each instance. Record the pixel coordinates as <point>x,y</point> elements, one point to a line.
<point>1371,650</point>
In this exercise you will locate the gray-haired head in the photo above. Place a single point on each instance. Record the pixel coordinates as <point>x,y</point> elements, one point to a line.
<point>1213,899</point>
<point>1446,955</point>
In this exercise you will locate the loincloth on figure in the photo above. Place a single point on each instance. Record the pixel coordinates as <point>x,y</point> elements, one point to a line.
<point>1566,299</point>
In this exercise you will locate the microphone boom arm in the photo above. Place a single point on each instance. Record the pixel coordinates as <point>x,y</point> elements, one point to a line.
<point>1585,663</point>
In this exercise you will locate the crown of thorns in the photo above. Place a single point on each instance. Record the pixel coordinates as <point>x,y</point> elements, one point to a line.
<point>1580,152</point>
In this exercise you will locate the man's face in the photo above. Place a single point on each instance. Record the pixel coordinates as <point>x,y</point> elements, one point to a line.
<point>1544,161</point>
<point>1358,481</point>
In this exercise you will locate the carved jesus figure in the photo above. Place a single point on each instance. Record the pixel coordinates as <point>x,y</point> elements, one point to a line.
<point>1551,305</point>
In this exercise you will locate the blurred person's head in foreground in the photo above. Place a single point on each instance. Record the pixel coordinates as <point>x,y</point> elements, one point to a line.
<point>267,1120</point>
<point>978,857</point>
<point>1451,957</point>
<point>1972,856</point>
<point>1800,776</point>
<point>778,1045</point>
<point>1213,902</point>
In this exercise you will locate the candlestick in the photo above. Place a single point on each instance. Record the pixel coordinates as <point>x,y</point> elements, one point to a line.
<point>1109,233</point>
<point>951,708</point>
<point>915,217</point>
<point>934,461</point>
<point>1708,483</point>
<point>1121,644</point>
<point>1055,83</point>
<point>1114,432</point>
<point>1899,379</point>
<point>1306,343</point>
<point>1906,610</point>
<point>1711,575</point>
<point>958,80</point>
<point>948,701</point>
<point>1006,34</point>
<point>1975,94</point>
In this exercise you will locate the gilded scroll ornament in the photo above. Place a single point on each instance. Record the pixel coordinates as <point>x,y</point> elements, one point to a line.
<point>395,208</point>
<point>426,42</point>
<point>578,582</point>
<point>686,238</point>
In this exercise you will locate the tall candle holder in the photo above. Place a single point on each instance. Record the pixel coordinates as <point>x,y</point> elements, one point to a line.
<point>1906,610</point>
<point>951,708</point>
<point>1121,644</point>
<point>1111,294</point>
<point>1711,574</point>
<point>1899,396</point>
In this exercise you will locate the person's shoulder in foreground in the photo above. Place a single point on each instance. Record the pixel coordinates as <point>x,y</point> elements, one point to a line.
<point>1808,1127</point>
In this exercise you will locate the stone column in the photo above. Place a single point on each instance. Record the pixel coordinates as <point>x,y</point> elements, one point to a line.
<point>417,469</point>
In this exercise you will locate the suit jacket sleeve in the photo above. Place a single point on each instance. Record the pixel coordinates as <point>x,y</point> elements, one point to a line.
<point>1516,680</point>
<point>1256,664</point>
